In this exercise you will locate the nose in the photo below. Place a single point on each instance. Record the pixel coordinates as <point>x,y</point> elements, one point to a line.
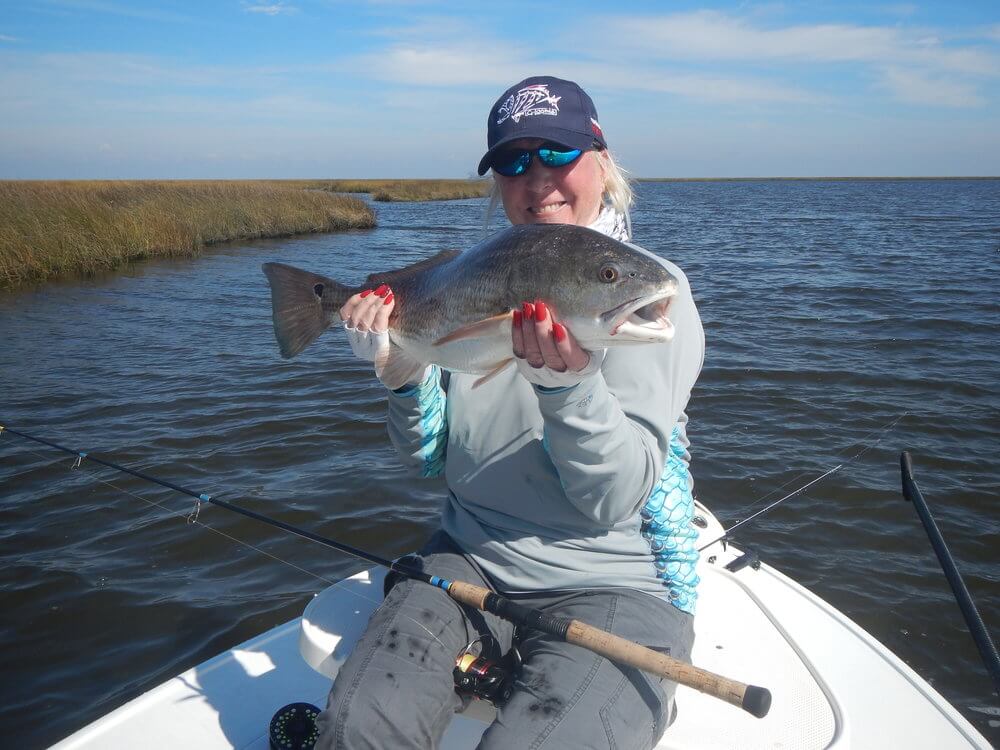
<point>538,178</point>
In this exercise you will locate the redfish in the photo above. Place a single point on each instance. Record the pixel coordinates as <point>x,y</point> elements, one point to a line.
<point>455,308</point>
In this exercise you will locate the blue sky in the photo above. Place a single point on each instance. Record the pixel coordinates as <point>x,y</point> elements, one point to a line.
<point>401,88</point>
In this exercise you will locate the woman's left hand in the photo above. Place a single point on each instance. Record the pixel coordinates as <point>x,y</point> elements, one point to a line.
<point>546,352</point>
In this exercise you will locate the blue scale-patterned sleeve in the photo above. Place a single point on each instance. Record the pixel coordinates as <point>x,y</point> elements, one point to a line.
<point>666,525</point>
<point>418,424</point>
<point>608,435</point>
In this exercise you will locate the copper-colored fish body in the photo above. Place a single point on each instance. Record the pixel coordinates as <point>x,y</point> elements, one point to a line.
<point>454,309</point>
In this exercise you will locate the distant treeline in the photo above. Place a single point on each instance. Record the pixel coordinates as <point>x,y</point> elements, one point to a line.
<point>54,229</point>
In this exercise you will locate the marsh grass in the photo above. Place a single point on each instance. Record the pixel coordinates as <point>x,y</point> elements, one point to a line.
<point>411,190</point>
<point>55,229</point>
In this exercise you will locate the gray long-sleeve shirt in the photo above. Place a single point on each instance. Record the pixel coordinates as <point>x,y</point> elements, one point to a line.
<point>584,487</point>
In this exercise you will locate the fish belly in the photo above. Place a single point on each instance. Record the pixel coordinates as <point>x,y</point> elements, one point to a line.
<point>476,356</point>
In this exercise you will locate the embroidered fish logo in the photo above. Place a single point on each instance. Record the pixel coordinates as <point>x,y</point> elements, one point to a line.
<point>526,102</point>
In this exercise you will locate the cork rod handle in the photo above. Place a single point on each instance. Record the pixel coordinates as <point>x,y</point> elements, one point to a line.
<point>755,700</point>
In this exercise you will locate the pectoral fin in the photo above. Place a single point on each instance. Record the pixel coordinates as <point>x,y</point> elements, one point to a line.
<point>500,367</point>
<point>480,328</point>
<point>395,368</point>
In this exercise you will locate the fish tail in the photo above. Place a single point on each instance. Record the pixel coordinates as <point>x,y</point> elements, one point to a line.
<point>302,304</point>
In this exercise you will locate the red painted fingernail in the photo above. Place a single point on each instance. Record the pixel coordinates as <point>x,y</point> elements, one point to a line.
<point>528,310</point>
<point>559,332</point>
<point>365,293</point>
<point>389,298</point>
<point>540,311</point>
<point>382,290</point>
<point>518,317</point>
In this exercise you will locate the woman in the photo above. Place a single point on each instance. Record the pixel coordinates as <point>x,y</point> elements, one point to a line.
<point>568,487</point>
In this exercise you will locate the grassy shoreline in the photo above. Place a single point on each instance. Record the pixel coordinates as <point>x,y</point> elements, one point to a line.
<point>411,190</point>
<point>54,229</point>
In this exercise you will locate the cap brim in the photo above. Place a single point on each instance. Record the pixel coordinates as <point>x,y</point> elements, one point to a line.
<point>569,138</point>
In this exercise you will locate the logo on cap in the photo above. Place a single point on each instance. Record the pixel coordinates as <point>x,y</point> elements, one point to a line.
<point>526,103</point>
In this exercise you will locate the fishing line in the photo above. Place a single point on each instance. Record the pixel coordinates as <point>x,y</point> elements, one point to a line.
<point>881,435</point>
<point>801,475</point>
<point>179,514</point>
<point>753,699</point>
<point>192,518</point>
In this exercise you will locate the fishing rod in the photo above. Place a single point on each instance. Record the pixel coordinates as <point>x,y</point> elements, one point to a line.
<point>728,532</point>
<point>987,649</point>
<point>751,698</point>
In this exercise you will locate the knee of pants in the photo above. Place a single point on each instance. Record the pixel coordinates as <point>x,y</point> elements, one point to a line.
<point>394,719</point>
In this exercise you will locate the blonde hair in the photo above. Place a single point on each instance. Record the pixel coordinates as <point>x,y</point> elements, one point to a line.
<point>617,187</point>
<point>617,194</point>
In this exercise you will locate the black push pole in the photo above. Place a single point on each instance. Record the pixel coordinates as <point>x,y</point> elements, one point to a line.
<point>987,649</point>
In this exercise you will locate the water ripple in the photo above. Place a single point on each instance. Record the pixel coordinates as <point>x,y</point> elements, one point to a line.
<point>830,309</point>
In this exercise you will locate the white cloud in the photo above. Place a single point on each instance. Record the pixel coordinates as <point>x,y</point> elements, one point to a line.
<point>916,88</point>
<point>5,38</point>
<point>53,71</point>
<point>714,36</point>
<point>116,9</point>
<point>429,28</point>
<point>444,66</point>
<point>704,55</point>
<point>901,9</point>
<point>705,86</point>
<point>711,35</point>
<point>438,65</point>
<point>915,64</point>
<point>269,9</point>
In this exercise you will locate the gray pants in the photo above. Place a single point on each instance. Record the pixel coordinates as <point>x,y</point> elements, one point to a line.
<point>396,689</point>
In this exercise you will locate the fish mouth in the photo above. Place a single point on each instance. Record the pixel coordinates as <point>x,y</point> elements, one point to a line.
<point>643,319</point>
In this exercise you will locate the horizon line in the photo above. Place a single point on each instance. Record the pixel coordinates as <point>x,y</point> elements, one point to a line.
<point>483,179</point>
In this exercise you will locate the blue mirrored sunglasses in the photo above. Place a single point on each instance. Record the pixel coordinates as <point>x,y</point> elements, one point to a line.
<point>516,161</point>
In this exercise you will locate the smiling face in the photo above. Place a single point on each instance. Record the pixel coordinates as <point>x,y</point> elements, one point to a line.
<point>554,195</point>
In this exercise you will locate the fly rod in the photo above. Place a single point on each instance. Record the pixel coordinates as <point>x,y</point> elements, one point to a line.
<point>751,698</point>
<point>987,649</point>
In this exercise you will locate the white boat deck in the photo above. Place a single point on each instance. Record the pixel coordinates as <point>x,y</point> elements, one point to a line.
<point>833,685</point>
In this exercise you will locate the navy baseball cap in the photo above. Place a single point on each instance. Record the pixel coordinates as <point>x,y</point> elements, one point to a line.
<point>542,107</point>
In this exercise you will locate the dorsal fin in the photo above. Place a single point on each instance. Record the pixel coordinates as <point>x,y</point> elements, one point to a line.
<point>392,277</point>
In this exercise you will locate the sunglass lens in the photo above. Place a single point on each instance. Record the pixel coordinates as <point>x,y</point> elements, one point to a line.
<point>512,163</point>
<point>554,158</point>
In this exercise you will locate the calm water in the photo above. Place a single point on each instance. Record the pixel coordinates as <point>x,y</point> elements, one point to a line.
<point>830,309</point>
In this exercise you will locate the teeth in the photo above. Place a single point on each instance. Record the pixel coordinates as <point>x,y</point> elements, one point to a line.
<point>548,209</point>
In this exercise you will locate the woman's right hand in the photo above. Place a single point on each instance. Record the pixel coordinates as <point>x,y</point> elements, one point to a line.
<point>366,320</point>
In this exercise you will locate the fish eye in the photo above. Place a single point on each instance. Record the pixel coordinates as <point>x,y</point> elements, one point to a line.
<point>609,273</point>
<point>318,290</point>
